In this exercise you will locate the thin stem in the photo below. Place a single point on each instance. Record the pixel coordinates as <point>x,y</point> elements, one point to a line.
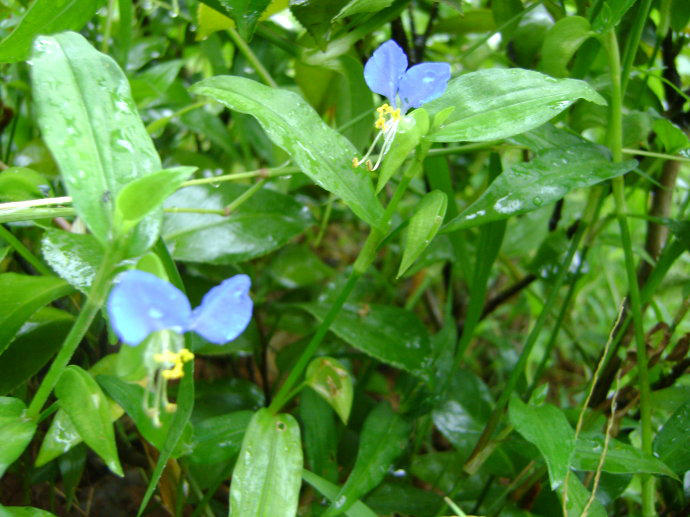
<point>663,156</point>
<point>476,458</point>
<point>239,200</point>
<point>633,42</point>
<point>615,135</point>
<point>25,253</point>
<point>265,173</point>
<point>107,28</point>
<point>160,123</point>
<point>324,221</point>
<point>286,389</point>
<point>251,57</point>
<point>96,298</point>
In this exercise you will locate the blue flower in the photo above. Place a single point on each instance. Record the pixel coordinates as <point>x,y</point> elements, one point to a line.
<point>386,73</point>
<point>141,303</point>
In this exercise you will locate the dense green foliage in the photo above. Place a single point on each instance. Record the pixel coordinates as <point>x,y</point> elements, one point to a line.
<point>493,322</point>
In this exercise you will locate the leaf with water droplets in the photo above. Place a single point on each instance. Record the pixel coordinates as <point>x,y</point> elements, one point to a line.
<point>322,153</point>
<point>498,103</point>
<point>266,221</point>
<point>383,438</point>
<point>390,334</point>
<point>268,472</point>
<point>546,427</point>
<point>548,177</point>
<point>73,256</point>
<point>92,127</point>
<point>88,409</point>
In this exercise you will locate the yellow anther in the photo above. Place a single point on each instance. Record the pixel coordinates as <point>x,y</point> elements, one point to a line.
<point>355,162</point>
<point>171,407</point>
<point>370,166</point>
<point>185,355</point>
<point>165,357</point>
<point>173,373</point>
<point>383,108</point>
<point>380,123</point>
<point>395,114</point>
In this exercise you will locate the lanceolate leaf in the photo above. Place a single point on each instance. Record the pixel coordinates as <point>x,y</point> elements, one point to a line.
<point>498,103</point>
<point>73,256</point>
<point>81,398</point>
<point>382,440</point>
<point>550,176</point>
<point>261,224</point>
<point>423,227</point>
<point>321,152</point>
<point>547,428</point>
<point>16,431</point>
<point>92,128</point>
<point>21,296</point>
<point>45,17</point>
<point>390,334</point>
<point>268,472</point>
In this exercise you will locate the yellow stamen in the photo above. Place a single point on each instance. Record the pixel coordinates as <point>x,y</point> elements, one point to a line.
<point>380,123</point>
<point>355,162</point>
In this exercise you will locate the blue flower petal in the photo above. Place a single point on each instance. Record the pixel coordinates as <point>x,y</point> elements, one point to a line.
<point>385,67</point>
<point>141,303</point>
<point>423,83</point>
<point>225,311</point>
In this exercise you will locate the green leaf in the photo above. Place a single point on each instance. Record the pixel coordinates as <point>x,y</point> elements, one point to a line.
<point>321,152</point>
<point>424,225</point>
<point>498,103</point>
<point>88,409</point>
<point>268,472</point>
<point>672,442</point>
<point>16,431</point>
<point>330,491</point>
<point>330,379</point>
<point>245,13</point>
<point>561,42</point>
<point>74,256</point>
<point>45,17</point>
<point>362,6</point>
<point>671,136</point>
<point>266,221</point>
<point>218,438</point>
<point>609,13</point>
<point>621,458</point>
<point>299,266</point>
<point>383,438</point>
<point>23,511</point>
<point>320,435</point>
<point>464,410</point>
<point>91,125</point>
<point>143,195</point>
<point>546,427</point>
<point>21,296</point>
<point>578,496</point>
<point>130,397</point>
<point>33,347</point>
<point>548,177</point>
<point>390,334</point>
<point>21,183</point>
<point>316,16</point>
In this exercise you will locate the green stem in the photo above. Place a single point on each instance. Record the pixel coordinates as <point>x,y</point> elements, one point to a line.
<point>633,42</point>
<point>96,298</point>
<point>615,137</point>
<point>475,460</point>
<point>264,173</point>
<point>286,389</point>
<point>160,123</point>
<point>239,200</point>
<point>365,258</point>
<point>26,254</point>
<point>251,57</point>
<point>663,156</point>
<point>324,221</point>
<point>107,28</point>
